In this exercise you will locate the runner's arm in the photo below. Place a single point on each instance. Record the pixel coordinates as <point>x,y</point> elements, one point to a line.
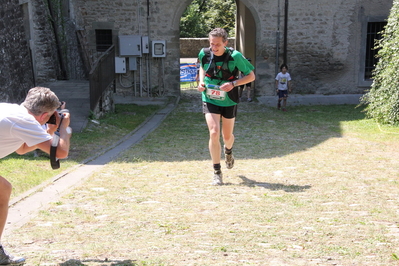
<point>201,86</point>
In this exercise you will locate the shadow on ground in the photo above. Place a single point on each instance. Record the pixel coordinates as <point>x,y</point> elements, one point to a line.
<point>98,263</point>
<point>261,132</point>
<point>272,186</point>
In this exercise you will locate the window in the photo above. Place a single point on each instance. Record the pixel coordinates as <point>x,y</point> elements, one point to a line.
<point>373,33</point>
<point>103,40</point>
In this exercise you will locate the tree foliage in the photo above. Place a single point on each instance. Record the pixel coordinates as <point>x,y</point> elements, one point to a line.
<point>383,97</point>
<point>203,15</point>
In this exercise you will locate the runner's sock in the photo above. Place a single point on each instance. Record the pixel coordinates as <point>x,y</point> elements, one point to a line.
<point>217,167</point>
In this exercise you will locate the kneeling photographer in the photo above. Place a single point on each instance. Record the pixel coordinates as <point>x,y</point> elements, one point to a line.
<point>22,131</point>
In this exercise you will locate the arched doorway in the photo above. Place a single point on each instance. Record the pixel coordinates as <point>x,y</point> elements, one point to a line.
<point>245,39</point>
<point>245,31</point>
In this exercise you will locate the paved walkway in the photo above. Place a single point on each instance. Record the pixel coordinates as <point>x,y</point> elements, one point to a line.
<point>76,94</point>
<point>313,99</point>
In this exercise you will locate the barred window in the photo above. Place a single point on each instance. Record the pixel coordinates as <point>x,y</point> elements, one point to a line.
<point>103,40</point>
<point>373,33</point>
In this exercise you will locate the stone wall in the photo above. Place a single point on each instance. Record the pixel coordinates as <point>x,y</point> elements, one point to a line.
<point>16,76</point>
<point>328,42</point>
<point>55,43</point>
<point>106,103</point>
<point>43,44</point>
<point>33,49</point>
<point>323,43</point>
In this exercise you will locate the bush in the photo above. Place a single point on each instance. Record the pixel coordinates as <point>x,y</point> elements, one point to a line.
<point>383,97</point>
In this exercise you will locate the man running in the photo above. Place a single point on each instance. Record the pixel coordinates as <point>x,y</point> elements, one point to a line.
<point>219,85</point>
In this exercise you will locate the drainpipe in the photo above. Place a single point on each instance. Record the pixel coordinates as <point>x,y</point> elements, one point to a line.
<point>285,30</point>
<point>277,40</point>
<point>57,42</point>
<point>149,55</point>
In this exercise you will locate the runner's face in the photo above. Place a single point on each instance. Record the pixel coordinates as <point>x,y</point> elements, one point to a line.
<point>217,45</point>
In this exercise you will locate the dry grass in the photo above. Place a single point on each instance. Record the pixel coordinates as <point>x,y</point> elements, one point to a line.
<point>309,187</point>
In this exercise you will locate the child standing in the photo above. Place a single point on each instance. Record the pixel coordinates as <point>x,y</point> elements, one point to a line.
<point>246,86</point>
<point>283,86</point>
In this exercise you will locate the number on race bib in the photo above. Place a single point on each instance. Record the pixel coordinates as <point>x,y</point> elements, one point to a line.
<point>214,92</point>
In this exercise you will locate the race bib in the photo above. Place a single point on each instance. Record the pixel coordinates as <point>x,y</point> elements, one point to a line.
<point>214,92</point>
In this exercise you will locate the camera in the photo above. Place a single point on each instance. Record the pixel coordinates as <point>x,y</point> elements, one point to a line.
<point>53,120</point>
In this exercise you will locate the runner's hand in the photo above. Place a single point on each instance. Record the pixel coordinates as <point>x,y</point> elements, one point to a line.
<point>228,86</point>
<point>201,87</point>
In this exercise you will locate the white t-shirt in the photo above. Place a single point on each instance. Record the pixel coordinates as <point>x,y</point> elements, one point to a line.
<point>283,80</point>
<point>17,127</point>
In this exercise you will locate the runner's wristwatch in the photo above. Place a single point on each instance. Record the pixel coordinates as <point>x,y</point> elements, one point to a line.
<point>234,83</point>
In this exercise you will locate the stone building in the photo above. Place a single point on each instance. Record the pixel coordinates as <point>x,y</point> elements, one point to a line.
<point>327,44</point>
<point>15,65</point>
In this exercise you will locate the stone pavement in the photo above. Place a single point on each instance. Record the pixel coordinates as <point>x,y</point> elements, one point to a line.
<point>76,94</point>
<point>313,99</point>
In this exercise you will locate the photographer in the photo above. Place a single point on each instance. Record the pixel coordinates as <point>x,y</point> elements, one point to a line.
<point>21,131</point>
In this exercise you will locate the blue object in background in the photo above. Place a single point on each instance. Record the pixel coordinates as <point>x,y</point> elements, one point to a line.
<point>188,71</point>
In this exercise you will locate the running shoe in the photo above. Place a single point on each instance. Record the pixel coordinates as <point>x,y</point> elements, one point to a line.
<point>8,259</point>
<point>229,159</point>
<point>217,178</point>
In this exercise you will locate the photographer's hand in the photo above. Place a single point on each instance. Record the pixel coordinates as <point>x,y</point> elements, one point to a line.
<point>62,122</point>
<point>65,134</point>
<point>51,129</point>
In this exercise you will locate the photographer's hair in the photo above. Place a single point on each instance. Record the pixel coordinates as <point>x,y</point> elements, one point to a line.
<point>219,32</point>
<point>40,100</point>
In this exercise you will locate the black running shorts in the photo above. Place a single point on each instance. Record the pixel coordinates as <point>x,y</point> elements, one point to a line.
<point>226,112</point>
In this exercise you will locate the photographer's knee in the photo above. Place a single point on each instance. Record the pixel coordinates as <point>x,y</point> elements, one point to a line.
<point>5,188</point>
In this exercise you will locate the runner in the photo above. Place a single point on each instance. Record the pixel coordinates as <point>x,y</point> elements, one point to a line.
<point>220,94</point>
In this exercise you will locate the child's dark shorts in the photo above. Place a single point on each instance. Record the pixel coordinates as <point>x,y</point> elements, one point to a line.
<point>225,111</point>
<point>282,93</point>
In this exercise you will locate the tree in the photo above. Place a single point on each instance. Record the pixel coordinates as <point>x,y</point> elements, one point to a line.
<point>203,15</point>
<point>382,99</point>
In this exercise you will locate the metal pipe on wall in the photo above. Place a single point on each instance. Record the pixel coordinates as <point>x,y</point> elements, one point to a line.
<point>63,74</point>
<point>285,31</point>
<point>278,40</point>
<point>140,59</point>
<point>149,41</point>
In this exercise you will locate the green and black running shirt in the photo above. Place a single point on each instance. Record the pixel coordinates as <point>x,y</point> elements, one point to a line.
<point>236,61</point>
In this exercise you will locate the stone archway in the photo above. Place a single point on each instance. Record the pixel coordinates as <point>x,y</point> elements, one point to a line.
<point>246,29</point>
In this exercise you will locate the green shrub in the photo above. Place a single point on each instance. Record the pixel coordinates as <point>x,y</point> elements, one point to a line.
<point>383,97</point>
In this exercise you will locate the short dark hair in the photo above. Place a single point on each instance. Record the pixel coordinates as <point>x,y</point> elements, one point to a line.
<point>219,32</point>
<point>283,65</point>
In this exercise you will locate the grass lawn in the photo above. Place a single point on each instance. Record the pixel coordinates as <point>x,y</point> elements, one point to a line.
<point>29,170</point>
<point>317,185</point>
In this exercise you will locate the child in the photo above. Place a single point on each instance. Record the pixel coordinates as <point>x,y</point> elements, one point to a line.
<point>247,87</point>
<point>283,86</point>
